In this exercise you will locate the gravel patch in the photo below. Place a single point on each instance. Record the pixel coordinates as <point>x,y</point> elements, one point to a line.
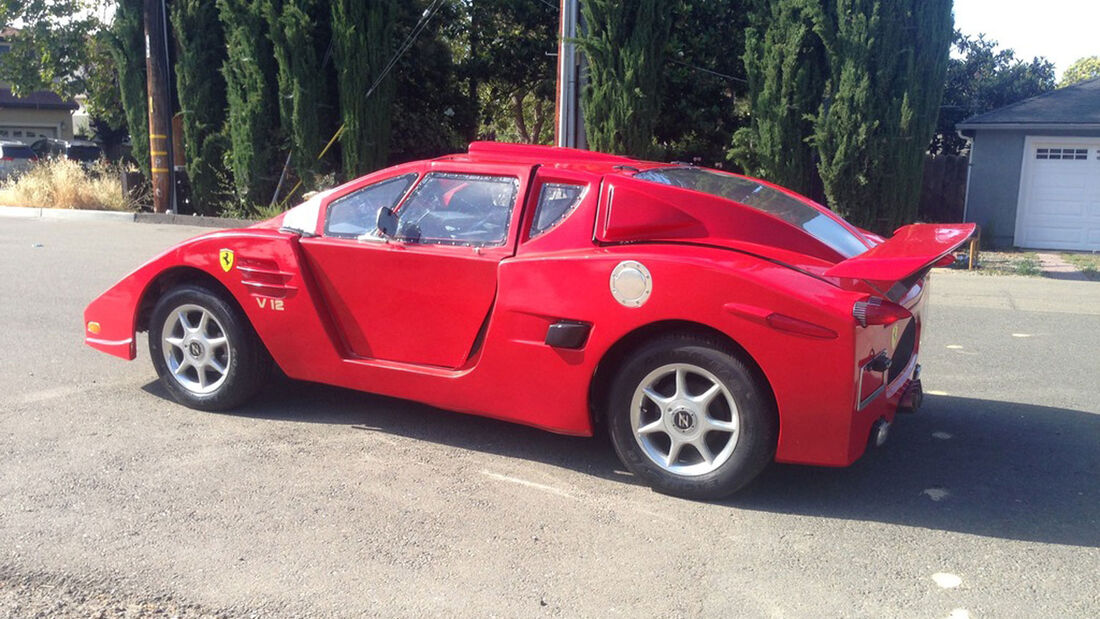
<point>25,596</point>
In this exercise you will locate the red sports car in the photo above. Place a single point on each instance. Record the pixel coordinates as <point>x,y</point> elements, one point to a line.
<point>713,323</point>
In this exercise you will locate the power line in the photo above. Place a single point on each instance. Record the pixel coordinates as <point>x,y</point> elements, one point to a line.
<point>425,17</point>
<point>705,70</point>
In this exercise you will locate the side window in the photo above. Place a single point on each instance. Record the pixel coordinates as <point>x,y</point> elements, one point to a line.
<point>458,209</point>
<point>355,214</point>
<point>556,202</point>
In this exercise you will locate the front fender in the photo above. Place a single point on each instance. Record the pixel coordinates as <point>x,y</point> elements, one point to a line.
<point>111,320</point>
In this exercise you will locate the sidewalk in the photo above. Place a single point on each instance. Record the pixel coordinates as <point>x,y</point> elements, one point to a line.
<point>1055,267</point>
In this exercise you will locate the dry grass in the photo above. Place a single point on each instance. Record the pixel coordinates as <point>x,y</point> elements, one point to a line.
<point>60,183</point>
<point>1009,263</point>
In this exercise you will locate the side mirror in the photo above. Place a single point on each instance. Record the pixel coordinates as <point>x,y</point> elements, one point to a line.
<point>387,222</point>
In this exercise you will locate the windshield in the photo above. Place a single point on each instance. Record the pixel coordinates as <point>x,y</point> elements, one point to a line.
<point>762,198</point>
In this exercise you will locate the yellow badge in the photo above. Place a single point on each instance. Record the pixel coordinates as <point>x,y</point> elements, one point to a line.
<point>893,336</point>
<point>225,258</point>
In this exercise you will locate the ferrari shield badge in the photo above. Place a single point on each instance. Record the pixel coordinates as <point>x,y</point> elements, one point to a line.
<point>225,258</point>
<point>893,336</point>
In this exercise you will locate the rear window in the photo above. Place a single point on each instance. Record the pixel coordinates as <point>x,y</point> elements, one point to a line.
<point>762,198</point>
<point>84,153</point>
<point>16,151</point>
<point>556,202</point>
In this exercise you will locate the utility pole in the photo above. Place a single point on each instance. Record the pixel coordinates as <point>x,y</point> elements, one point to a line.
<point>568,119</point>
<point>160,107</point>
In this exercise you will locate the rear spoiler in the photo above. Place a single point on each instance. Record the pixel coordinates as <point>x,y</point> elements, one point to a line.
<point>911,250</point>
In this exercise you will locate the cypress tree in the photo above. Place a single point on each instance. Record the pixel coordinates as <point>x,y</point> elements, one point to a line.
<point>249,72</point>
<point>299,37</point>
<point>625,44</point>
<point>362,44</point>
<point>432,113</point>
<point>887,60</point>
<point>785,66</point>
<point>201,93</point>
<point>126,42</point>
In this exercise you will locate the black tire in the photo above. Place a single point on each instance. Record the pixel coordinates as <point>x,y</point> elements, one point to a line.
<point>245,360</point>
<point>734,466</point>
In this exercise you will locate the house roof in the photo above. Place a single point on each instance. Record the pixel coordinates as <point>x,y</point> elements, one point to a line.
<point>1072,107</point>
<point>39,100</point>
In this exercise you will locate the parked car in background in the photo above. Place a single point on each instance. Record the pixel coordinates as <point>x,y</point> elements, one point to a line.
<point>712,322</point>
<point>15,159</point>
<point>81,151</point>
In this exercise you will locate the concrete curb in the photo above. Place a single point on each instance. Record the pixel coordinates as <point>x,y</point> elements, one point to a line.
<point>23,212</point>
<point>191,220</point>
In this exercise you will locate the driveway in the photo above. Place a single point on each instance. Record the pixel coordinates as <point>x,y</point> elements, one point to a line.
<point>323,502</point>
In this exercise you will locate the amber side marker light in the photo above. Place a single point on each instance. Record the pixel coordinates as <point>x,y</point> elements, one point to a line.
<point>93,328</point>
<point>801,327</point>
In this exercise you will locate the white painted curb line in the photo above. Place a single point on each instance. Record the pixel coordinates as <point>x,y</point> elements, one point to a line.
<point>64,213</point>
<point>20,211</point>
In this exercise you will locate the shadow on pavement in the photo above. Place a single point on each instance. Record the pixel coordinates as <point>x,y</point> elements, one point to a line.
<point>998,469</point>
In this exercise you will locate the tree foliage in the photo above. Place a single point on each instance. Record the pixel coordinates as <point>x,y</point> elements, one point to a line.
<point>786,66</point>
<point>126,41</point>
<point>1082,69</point>
<point>625,43</point>
<point>362,44</point>
<point>200,88</point>
<point>251,91</point>
<point>104,103</point>
<point>981,78</point>
<point>431,112</point>
<point>62,46</point>
<point>510,64</point>
<point>702,100</point>
<point>887,60</point>
<point>299,35</point>
<point>49,51</point>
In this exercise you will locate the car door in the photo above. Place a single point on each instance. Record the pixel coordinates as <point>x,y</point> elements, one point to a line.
<point>421,295</point>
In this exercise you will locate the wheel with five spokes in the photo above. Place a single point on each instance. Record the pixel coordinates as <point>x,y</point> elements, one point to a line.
<point>204,350</point>
<point>689,417</point>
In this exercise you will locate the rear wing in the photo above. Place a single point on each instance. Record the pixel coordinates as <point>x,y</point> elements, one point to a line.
<point>912,249</point>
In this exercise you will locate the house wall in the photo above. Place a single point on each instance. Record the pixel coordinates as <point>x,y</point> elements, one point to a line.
<point>996,157</point>
<point>14,119</point>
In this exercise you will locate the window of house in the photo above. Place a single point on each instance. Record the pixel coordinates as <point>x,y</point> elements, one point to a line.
<point>1065,154</point>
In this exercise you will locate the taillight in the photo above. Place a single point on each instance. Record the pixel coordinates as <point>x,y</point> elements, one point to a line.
<point>6,159</point>
<point>876,311</point>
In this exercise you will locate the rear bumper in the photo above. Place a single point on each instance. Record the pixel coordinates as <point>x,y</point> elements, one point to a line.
<point>897,396</point>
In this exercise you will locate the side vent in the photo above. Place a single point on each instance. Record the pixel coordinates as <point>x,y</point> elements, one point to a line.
<point>264,279</point>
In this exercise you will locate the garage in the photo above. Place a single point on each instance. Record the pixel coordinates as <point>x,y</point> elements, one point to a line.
<point>1059,204</point>
<point>1034,179</point>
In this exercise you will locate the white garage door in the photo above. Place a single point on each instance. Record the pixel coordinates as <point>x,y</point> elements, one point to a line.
<point>27,134</point>
<point>1059,206</point>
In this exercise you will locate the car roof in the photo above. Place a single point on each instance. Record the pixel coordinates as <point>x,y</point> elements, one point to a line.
<point>570,158</point>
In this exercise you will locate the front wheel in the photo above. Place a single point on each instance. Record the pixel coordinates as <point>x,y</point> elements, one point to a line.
<point>204,350</point>
<point>689,417</point>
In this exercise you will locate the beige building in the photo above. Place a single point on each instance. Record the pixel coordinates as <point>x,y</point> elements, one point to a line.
<point>38,115</point>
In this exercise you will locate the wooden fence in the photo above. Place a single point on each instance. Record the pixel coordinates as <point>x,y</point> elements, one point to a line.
<point>943,191</point>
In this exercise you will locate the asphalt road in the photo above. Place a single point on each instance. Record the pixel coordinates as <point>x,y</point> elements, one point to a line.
<point>320,501</point>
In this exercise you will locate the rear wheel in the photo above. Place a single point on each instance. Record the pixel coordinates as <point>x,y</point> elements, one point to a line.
<point>204,350</point>
<point>691,419</point>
